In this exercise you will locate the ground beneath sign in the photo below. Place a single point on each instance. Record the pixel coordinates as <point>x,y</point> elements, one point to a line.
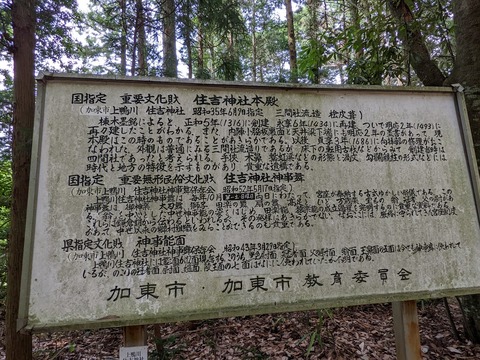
<point>362,332</point>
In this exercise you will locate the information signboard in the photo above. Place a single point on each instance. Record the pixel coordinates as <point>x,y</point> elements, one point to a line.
<point>164,200</point>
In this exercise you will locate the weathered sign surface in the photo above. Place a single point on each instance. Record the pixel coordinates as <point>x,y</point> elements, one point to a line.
<point>158,201</point>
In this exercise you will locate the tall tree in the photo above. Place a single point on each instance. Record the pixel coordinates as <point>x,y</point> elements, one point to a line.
<point>186,25</point>
<point>141,41</point>
<point>24,19</point>
<point>170,61</point>
<point>201,70</point>
<point>123,37</point>
<point>292,47</point>
<point>253,34</point>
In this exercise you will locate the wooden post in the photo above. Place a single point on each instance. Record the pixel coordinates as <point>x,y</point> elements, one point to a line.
<point>135,335</point>
<point>407,334</point>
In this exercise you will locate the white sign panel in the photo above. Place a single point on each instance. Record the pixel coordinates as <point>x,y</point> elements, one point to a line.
<point>158,201</point>
<point>134,353</point>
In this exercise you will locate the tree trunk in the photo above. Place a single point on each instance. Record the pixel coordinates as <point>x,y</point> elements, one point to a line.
<point>467,73</point>
<point>188,45</point>
<point>188,40</point>
<point>19,347</point>
<point>123,38</point>
<point>169,40</point>
<point>230,67</point>
<point>292,48</point>
<point>201,73</point>
<point>211,60</point>
<point>312,33</point>
<point>142,41</point>
<point>133,65</point>
<point>254,41</point>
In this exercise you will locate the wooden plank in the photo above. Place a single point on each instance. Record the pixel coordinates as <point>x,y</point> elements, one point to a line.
<point>407,334</point>
<point>135,335</point>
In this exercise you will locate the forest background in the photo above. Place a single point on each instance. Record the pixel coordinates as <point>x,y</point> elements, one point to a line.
<point>368,42</point>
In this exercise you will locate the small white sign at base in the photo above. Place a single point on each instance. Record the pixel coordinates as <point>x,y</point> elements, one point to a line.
<point>134,353</point>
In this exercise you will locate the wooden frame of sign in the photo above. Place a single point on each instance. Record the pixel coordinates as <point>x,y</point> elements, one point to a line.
<point>155,200</point>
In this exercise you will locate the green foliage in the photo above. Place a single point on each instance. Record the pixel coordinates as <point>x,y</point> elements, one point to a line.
<point>347,41</point>
<point>357,41</point>
<point>111,34</point>
<point>6,30</point>
<point>312,57</point>
<point>436,21</point>
<point>6,109</point>
<point>375,57</point>
<point>228,66</point>
<point>6,115</point>
<point>271,44</point>
<point>221,26</point>
<point>5,204</point>
<point>106,28</point>
<point>202,73</point>
<point>56,48</point>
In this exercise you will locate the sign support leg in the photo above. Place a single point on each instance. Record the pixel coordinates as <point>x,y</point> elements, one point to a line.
<point>135,335</point>
<point>407,334</point>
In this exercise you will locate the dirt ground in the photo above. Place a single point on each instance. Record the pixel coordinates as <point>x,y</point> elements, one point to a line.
<point>360,332</point>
